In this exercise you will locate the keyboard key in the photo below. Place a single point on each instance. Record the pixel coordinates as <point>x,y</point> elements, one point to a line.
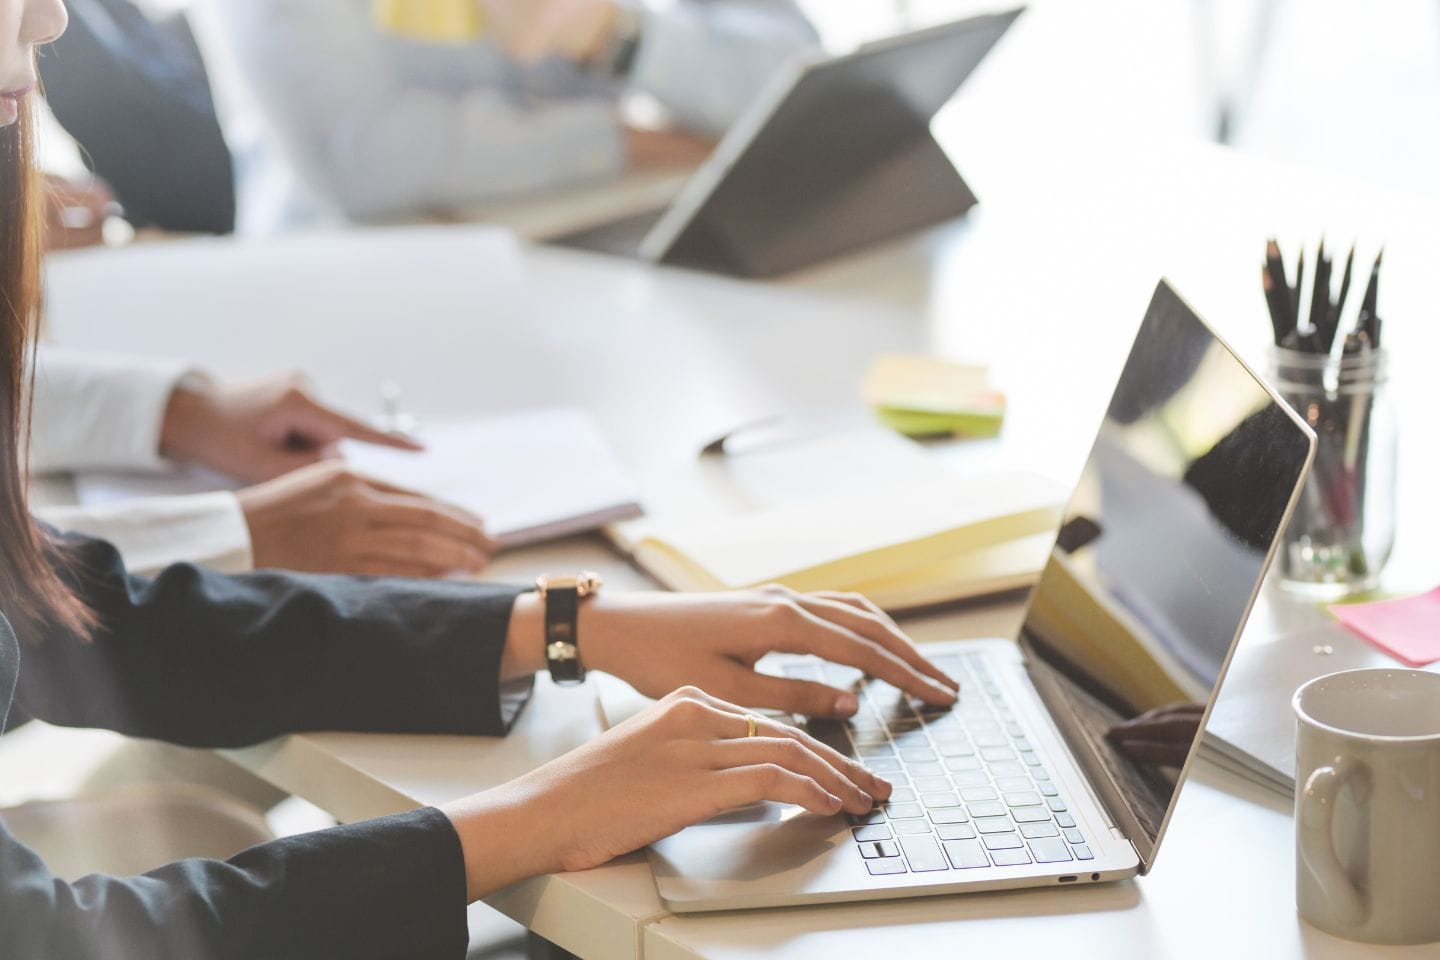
<point>955,749</point>
<point>952,815</point>
<point>924,854</point>
<point>954,831</point>
<point>882,765</point>
<point>909,828</point>
<point>1024,746</point>
<point>926,770</point>
<point>882,848</point>
<point>966,854</point>
<point>932,784</point>
<point>872,833</point>
<point>1031,759</point>
<point>936,801</point>
<point>1032,830</point>
<point>1010,858</point>
<point>1008,784</point>
<point>881,868</point>
<point>1074,835</point>
<point>1014,729</point>
<point>1057,804</point>
<point>903,811</point>
<point>970,778</point>
<point>874,751</point>
<point>1030,814</point>
<point>902,795</point>
<point>960,764</point>
<point>1006,841</point>
<point>979,793</point>
<point>1082,852</point>
<point>918,756</point>
<point>1049,789</point>
<point>1065,819</point>
<point>874,816</point>
<point>868,738</point>
<point>1007,768</point>
<point>993,754</point>
<point>1040,773</point>
<point>1050,850</point>
<point>994,825</point>
<point>986,808</point>
<point>1025,798</point>
<point>992,740</point>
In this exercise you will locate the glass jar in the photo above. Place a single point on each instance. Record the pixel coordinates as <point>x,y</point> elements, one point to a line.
<point>1343,528</point>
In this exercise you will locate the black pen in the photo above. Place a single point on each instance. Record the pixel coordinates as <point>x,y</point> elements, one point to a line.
<point>1298,294</point>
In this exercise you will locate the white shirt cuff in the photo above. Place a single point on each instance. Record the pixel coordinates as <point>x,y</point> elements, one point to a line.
<point>208,529</point>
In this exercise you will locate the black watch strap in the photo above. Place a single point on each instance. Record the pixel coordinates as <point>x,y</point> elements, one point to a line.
<point>562,636</point>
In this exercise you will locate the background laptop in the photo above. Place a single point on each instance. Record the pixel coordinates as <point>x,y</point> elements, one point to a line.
<point>836,153</point>
<point>1157,563</point>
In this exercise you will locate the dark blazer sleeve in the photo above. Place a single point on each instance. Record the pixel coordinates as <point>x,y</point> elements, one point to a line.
<point>134,93</point>
<point>384,889</point>
<point>206,660</point>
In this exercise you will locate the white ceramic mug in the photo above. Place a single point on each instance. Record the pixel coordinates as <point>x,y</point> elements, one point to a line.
<point>1367,807</point>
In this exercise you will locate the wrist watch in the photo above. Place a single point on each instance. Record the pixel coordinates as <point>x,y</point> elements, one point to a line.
<point>562,596</point>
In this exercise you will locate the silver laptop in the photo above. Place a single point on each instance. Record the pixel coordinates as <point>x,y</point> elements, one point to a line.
<point>834,154</point>
<point>1029,780</point>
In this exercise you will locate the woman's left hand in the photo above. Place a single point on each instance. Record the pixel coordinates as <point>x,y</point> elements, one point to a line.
<point>659,642</point>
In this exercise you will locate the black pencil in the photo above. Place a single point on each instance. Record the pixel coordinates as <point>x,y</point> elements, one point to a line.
<point>1320,302</point>
<point>1280,298</point>
<point>1298,294</point>
<point>1369,312</point>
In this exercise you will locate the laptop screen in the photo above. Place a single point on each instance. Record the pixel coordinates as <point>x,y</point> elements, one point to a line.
<point>1159,557</point>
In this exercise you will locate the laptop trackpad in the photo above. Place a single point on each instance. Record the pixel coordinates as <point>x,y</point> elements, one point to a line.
<point>752,843</point>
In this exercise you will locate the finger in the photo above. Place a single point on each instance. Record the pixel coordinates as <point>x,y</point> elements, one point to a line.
<point>457,513</point>
<point>796,757</point>
<point>839,644</point>
<point>742,786</point>
<point>721,719</point>
<point>864,618</point>
<point>1157,728</point>
<point>322,425</point>
<point>409,545</point>
<point>399,510</point>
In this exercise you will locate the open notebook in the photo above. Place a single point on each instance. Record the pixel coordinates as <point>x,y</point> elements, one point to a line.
<point>870,513</point>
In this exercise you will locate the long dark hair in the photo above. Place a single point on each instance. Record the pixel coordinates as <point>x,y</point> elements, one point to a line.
<point>31,594</point>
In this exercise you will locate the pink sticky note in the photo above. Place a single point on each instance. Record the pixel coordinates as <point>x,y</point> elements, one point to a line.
<point>1408,629</point>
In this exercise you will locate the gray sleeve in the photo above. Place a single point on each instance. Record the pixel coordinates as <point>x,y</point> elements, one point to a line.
<point>376,143</point>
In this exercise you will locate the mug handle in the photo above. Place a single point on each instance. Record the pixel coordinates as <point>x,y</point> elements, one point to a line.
<point>1317,848</point>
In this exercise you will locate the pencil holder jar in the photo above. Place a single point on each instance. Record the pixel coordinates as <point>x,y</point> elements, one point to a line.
<point>1343,528</point>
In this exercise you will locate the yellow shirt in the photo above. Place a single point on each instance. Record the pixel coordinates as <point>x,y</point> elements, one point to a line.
<point>441,21</point>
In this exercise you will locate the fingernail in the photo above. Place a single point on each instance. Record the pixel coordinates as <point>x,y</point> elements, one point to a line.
<point>846,705</point>
<point>868,800</point>
<point>948,694</point>
<point>835,803</point>
<point>883,786</point>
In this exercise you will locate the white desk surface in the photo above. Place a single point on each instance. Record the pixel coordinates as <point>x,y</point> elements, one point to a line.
<point>1046,281</point>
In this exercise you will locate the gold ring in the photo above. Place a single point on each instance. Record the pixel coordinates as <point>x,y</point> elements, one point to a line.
<point>750,724</point>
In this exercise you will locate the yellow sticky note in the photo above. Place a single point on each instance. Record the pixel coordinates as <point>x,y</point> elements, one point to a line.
<point>925,396</point>
<point>439,21</point>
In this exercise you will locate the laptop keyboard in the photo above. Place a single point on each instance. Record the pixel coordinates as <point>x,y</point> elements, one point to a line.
<point>971,790</point>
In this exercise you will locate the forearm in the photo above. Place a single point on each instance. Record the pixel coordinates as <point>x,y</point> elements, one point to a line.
<point>99,412</point>
<point>385,888</point>
<point>206,660</point>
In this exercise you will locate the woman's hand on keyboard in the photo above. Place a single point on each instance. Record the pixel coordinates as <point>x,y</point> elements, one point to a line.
<point>659,642</point>
<point>684,760</point>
